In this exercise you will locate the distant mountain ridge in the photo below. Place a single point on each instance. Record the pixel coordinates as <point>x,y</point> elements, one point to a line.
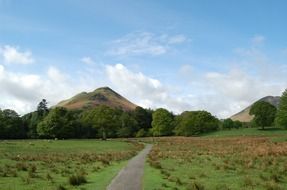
<point>101,96</point>
<point>244,116</point>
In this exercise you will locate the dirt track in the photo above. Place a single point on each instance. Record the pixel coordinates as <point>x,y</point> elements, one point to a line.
<point>130,177</point>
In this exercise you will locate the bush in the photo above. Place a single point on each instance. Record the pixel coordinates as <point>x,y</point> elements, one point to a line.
<point>77,180</point>
<point>21,166</point>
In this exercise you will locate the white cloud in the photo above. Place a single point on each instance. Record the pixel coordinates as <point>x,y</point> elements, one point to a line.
<point>249,75</point>
<point>22,92</point>
<point>177,39</point>
<point>237,89</point>
<point>258,40</point>
<point>55,75</point>
<point>87,60</point>
<point>12,54</point>
<point>186,70</point>
<point>144,43</point>
<point>143,90</point>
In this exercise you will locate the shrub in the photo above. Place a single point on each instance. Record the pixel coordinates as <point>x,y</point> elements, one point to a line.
<point>77,179</point>
<point>21,166</point>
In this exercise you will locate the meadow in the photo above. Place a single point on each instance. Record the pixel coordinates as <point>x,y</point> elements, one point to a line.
<point>62,164</point>
<point>235,159</point>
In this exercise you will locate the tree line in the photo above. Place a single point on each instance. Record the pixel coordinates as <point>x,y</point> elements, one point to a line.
<point>105,122</point>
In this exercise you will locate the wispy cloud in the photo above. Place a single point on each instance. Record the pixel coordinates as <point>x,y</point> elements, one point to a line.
<point>177,39</point>
<point>87,60</point>
<point>144,43</point>
<point>258,40</point>
<point>12,55</point>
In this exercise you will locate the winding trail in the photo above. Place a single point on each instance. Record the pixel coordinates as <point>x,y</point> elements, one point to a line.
<point>130,177</point>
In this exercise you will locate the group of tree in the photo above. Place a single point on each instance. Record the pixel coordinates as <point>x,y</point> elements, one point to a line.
<point>103,122</point>
<point>11,125</point>
<point>106,122</point>
<point>230,124</point>
<point>191,123</point>
<point>267,115</point>
<point>99,122</point>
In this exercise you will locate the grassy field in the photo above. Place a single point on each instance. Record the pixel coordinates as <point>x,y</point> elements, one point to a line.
<point>247,132</point>
<point>59,165</point>
<point>236,159</point>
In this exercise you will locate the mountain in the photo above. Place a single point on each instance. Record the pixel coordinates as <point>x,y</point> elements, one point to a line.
<point>100,96</point>
<point>244,116</point>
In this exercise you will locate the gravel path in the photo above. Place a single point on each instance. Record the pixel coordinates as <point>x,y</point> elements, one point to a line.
<point>130,177</point>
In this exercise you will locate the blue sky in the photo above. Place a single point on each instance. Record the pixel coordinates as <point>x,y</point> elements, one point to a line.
<point>182,55</point>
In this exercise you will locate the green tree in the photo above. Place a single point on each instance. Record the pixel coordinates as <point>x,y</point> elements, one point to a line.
<point>59,123</point>
<point>103,118</point>
<point>31,120</point>
<point>128,126</point>
<point>143,117</point>
<point>264,113</point>
<point>281,116</point>
<point>195,122</point>
<point>237,124</point>
<point>227,124</point>
<point>162,122</point>
<point>11,125</point>
<point>42,108</point>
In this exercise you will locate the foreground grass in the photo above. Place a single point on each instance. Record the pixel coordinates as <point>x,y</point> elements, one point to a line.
<point>52,165</point>
<point>217,163</point>
<point>248,132</point>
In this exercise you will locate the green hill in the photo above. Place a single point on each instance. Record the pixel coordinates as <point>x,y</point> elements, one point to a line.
<point>101,96</point>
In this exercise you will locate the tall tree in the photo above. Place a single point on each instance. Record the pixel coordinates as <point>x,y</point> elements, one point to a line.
<point>31,120</point>
<point>162,122</point>
<point>42,108</point>
<point>281,116</point>
<point>264,113</point>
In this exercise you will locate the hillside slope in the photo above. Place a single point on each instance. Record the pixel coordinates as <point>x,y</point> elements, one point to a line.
<point>101,96</point>
<point>244,116</point>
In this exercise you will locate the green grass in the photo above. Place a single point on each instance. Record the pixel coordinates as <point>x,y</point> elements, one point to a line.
<point>48,164</point>
<point>154,179</point>
<point>217,163</point>
<point>247,132</point>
